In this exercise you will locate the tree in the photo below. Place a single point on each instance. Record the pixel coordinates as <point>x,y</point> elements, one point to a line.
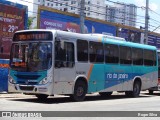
<point>30,21</point>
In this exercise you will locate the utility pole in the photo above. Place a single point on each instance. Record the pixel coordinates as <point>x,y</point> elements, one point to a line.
<point>82,16</point>
<point>146,22</point>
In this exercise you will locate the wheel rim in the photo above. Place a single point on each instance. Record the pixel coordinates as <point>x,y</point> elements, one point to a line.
<point>80,91</point>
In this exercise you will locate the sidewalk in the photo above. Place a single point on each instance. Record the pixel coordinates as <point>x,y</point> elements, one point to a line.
<point>14,95</point>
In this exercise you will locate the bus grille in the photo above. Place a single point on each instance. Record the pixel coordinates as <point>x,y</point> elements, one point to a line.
<point>28,83</point>
<point>31,77</point>
<point>29,88</point>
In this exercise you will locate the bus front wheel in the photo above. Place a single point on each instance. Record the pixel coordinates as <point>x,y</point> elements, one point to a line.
<point>80,91</point>
<point>42,96</point>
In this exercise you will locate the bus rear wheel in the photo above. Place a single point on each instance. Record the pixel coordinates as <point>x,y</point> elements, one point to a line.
<point>150,92</point>
<point>105,94</point>
<point>136,90</point>
<point>80,91</point>
<point>42,97</point>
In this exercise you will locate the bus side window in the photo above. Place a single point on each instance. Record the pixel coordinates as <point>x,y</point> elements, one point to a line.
<point>125,55</point>
<point>96,52</point>
<point>64,54</point>
<point>148,58</point>
<point>137,56</point>
<point>111,53</point>
<point>69,48</point>
<point>82,50</point>
<point>59,54</point>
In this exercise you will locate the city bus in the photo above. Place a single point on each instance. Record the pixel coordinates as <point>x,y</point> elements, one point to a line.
<point>53,62</point>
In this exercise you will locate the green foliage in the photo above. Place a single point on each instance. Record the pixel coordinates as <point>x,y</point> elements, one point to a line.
<point>30,21</point>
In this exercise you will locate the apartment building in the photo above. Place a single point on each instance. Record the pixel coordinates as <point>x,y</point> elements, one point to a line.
<point>122,13</point>
<point>118,13</point>
<point>93,8</point>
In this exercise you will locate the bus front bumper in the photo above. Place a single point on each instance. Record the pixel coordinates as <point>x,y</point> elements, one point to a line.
<point>31,89</point>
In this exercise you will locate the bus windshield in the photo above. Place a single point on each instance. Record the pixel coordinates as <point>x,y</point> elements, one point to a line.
<point>31,57</point>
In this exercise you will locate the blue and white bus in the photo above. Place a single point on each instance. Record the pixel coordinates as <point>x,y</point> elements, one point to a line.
<point>48,62</point>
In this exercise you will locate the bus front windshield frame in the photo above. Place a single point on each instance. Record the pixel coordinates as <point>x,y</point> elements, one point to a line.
<point>31,56</point>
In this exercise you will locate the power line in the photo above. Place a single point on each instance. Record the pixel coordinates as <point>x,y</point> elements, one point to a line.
<point>137,7</point>
<point>122,3</point>
<point>76,7</point>
<point>94,5</point>
<point>137,22</point>
<point>154,12</point>
<point>86,10</point>
<point>99,12</point>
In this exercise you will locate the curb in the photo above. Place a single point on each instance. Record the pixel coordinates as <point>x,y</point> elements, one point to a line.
<point>14,95</point>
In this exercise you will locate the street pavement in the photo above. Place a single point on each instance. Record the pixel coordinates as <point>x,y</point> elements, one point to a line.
<point>93,102</point>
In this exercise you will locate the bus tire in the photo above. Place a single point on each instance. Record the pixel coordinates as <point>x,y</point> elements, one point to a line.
<point>136,90</point>
<point>150,92</point>
<point>42,97</point>
<point>105,94</point>
<point>80,91</point>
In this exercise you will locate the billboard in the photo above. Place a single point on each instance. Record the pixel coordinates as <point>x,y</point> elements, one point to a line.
<point>158,42</point>
<point>54,19</point>
<point>130,35</point>
<point>152,40</point>
<point>13,17</point>
<point>137,36</point>
<point>49,18</point>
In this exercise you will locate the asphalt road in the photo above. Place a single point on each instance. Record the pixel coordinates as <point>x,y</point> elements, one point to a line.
<point>117,102</point>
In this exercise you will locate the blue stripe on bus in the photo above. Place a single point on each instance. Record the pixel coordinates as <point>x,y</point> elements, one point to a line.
<point>112,78</point>
<point>105,76</point>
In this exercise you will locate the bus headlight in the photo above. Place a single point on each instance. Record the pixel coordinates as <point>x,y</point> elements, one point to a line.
<point>11,80</point>
<point>44,81</point>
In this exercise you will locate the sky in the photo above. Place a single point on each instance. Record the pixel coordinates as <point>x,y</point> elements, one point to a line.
<point>154,5</point>
<point>28,3</point>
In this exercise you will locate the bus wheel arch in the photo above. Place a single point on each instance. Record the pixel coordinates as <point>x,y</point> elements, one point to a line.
<point>80,89</point>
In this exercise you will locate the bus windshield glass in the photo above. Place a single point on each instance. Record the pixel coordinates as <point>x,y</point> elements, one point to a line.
<point>31,57</point>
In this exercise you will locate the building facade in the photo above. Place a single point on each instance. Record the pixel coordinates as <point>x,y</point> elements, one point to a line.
<point>118,13</point>
<point>93,8</point>
<point>122,13</point>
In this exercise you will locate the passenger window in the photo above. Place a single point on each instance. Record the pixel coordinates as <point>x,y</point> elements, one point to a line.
<point>149,57</point>
<point>137,56</point>
<point>82,50</point>
<point>96,53</point>
<point>125,55</point>
<point>111,53</point>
